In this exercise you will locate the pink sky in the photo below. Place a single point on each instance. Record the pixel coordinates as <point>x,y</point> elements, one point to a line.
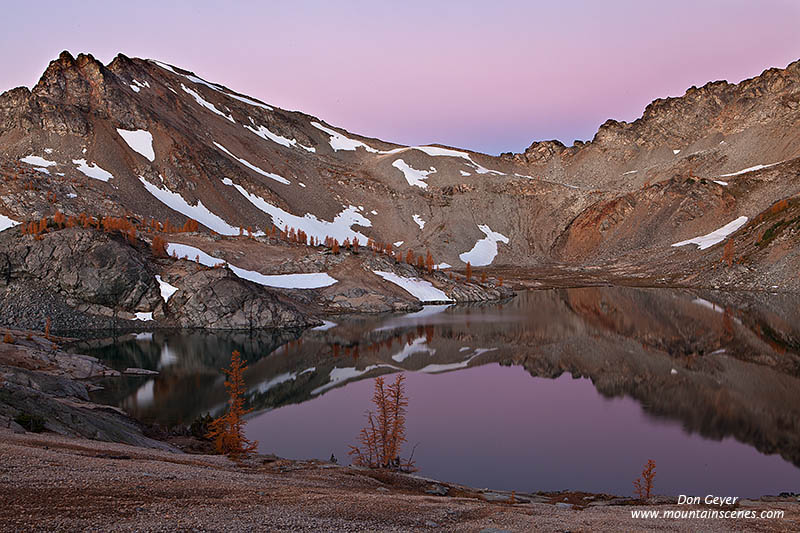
<point>489,76</point>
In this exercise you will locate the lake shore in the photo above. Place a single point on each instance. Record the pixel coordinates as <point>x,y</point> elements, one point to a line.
<point>59,482</point>
<point>54,483</point>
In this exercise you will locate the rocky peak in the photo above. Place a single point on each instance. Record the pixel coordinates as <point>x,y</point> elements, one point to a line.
<point>72,80</point>
<point>678,121</point>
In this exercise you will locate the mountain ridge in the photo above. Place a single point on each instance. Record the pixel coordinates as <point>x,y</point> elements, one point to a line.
<point>153,141</point>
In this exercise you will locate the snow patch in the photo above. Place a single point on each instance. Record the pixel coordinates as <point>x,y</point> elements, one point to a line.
<point>205,103</point>
<point>485,250</point>
<point>341,375</point>
<point>435,369</point>
<point>6,222</point>
<point>339,141</point>
<point>422,290</point>
<point>198,212</point>
<point>716,236</point>
<point>751,169</point>
<point>313,280</point>
<point>140,141</point>
<point>719,182</point>
<point>419,221</point>
<point>418,345</point>
<point>266,134</point>
<point>91,170</point>
<point>166,289</point>
<point>339,228</point>
<point>676,152</point>
<point>213,86</point>
<point>398,244</point>
<point>145,317</point>
<point>37,161</point>
<point>413,176</point>
<point>254,168</point>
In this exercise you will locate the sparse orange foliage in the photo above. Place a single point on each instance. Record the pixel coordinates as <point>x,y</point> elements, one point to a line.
<point>469,271</point>
<point>727,252</point>
<point>159,246</point>
<point>8,339</point>
<point>385,433</point>
<point>227,431</point>
<point>47,328</point>
<point>483,277</point>
<point>429,261</point>
<point>500,281</point>
<point>644,485</point>
<point>191,225</point>
<point>335,247</point>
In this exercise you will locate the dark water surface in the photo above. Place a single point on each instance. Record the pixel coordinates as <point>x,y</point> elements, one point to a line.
<point>562,389</point>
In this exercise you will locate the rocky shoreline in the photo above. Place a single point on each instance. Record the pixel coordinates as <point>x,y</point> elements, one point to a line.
<point>103,459</point>
<point>79,279</point>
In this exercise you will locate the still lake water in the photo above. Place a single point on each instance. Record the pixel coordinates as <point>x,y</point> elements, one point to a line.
<point>560,389</point>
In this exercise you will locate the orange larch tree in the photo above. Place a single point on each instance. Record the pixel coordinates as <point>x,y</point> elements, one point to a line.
<point>644,485</point>
<point>469,271</point>
<point>385,433</point>
<point>227,431</point>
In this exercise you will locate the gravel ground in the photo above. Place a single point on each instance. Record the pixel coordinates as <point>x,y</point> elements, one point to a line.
<point>53,483</point>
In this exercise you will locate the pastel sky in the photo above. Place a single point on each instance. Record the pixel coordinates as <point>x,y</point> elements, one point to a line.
<point>488,76</point>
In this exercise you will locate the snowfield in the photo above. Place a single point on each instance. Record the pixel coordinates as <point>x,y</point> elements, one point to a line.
<point>205,103</point>
<point>413,176</point>
<point>339,228</point>
<point>140,141</point>
<point>485,250</point>
<point>6,222</point>
<point>198,212</point>
<point>716,236</point>
<point>92,170</point>
<point>266,134</point>
<point>314,280</point>
<point>339,141</point>
<point>276,177</point>
<point>422,290</point>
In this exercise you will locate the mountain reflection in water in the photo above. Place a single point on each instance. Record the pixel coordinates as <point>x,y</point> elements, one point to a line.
<point>696,380</point>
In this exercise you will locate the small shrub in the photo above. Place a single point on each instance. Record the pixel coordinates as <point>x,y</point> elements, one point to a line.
<point>200,426</point>
<point>33,423</point>
<point>8,339</point>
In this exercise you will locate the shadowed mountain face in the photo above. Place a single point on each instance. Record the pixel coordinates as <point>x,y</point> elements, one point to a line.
<point>723,364</point>
<point>155,141</point>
